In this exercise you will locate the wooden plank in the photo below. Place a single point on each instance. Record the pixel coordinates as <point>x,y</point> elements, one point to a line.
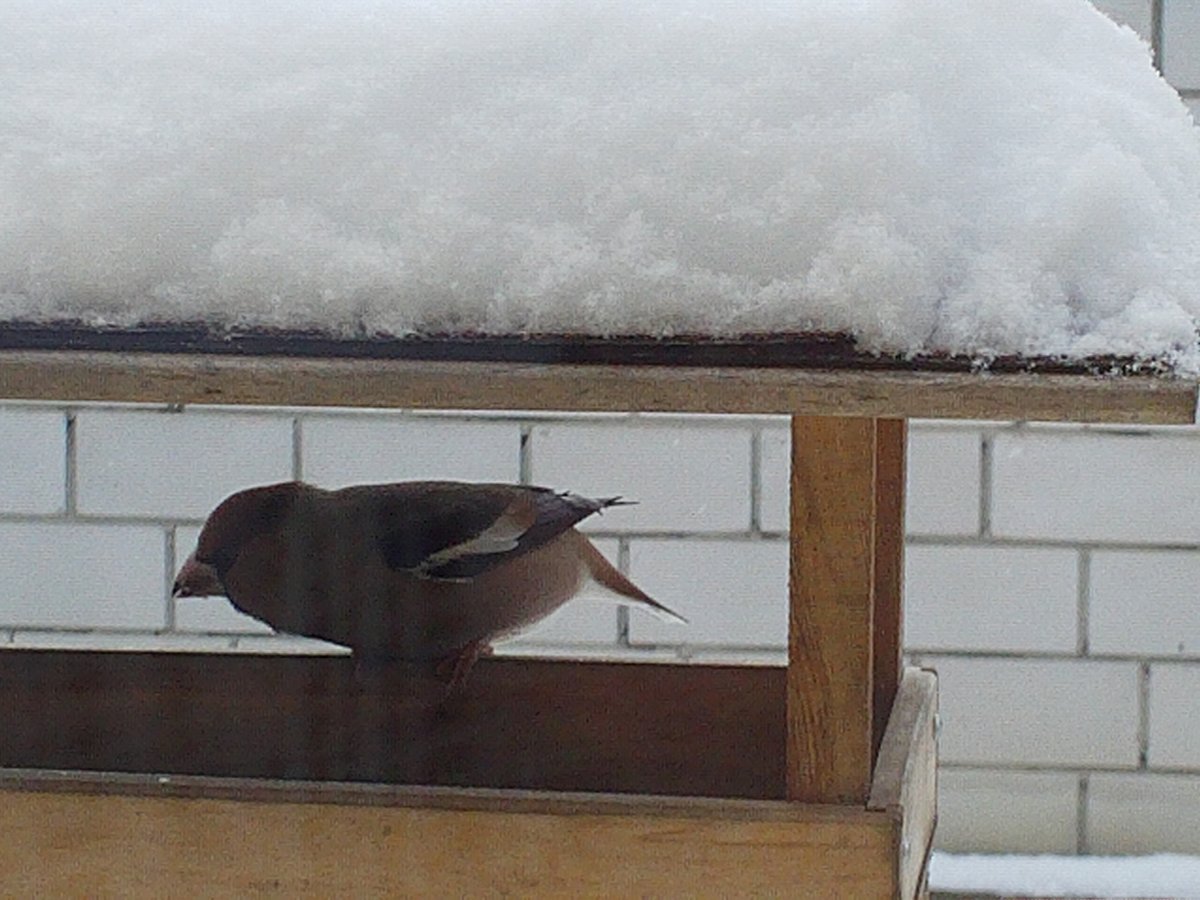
<point>190,378</point>
<point>891,445</point>
<point>906,775</point>
<point>831,584</point>
<point>62,844</point>
<point>521,723</point>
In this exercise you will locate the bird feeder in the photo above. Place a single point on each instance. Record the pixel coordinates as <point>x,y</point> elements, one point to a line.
<point>175,773</point>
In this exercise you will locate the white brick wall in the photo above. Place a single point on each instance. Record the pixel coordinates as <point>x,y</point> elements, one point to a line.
<point>1096,486</point>
<point>33,475</point>
<point>1038,712</point>
<point>69,575</point>
<point>1051,572</point>
<point>154,464</point>
<point>989,598</point>
<point>689,480</point>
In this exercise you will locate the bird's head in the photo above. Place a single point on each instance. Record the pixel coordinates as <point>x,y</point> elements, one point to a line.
<point>237,519</point>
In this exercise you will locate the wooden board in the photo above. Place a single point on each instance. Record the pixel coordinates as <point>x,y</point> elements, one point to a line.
<point>891,471</point>
<point>192,378</point>
<point>521,723</point>
<point>72,833</point>
<point>906,775</point>
<point>832,588</point>
<point>118,844</point>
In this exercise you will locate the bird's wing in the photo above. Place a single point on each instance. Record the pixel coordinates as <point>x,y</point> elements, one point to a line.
<point>455,531</point>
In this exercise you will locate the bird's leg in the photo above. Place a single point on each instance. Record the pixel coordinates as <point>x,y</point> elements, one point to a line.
<point>457,666</point>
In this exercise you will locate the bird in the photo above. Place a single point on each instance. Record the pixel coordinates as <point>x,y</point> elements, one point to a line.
<point>419,572</point>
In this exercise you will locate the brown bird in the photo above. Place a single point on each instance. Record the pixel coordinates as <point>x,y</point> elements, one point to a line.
<point>424,572</point>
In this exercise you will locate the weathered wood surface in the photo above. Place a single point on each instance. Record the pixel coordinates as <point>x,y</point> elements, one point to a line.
<point>521,723</point>
<point>830,697</point>
<point>181,378</point>
<point>891,447</point>
<point>906,775</point>
<point>113,844</point>
<point>97,833</point>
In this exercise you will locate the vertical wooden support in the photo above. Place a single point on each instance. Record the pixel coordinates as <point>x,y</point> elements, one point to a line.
<point>844,625</point>
<point>891,446</point>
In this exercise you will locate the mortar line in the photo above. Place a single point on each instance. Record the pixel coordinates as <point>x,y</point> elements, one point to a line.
<point>1081,813</point>
<point>985,486</point>
<point>525,454</point>
<point>756,480</point>
<point>71,466</point>
<point>297,449</point>
<point>623,609</point>
<point>1143,725</point>
<point>1156,33</point>
<point>1082,602</point>
<point>169,579</point>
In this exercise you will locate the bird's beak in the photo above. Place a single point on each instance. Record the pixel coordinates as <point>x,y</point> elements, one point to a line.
<point>197,579</point>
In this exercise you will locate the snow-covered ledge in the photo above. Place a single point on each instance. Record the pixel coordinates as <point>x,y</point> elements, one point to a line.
<point>929,178</point>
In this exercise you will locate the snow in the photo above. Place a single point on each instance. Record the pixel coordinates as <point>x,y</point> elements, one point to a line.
<point>1162,875</point>
<point>970,177</point>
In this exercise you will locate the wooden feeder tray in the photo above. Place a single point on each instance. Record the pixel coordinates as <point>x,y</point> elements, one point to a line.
<point>174,773</point>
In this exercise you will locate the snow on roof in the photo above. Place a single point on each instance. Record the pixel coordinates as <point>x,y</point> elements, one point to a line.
<point>970,177</point>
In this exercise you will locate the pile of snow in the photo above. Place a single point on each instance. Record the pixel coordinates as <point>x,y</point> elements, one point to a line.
<point>976,177</point>
<point>1162,875</point>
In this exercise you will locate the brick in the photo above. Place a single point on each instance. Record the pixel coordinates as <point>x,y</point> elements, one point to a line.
<point>943,482</point>
<point>942,490</point>
<point>1143,813</point>
<point>1009,599</point>
<point>1037,712</point>
<point>1181,44</point>
<point>175,465</point>
<point>34,472</point>
<point>1175,716</point>
<point>341,450</point>
<point>1145,603</point>
<point>59,575</point>
<point>1099,486</point>
<point>1133,13</point>
<point>732,592</point>
<point>774,474</point>
<point>990,811</point>
<point>685,478</point>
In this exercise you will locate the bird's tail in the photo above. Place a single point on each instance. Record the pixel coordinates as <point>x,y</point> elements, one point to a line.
<point>604,574</point>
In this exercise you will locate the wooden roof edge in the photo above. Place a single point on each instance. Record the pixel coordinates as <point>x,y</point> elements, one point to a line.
<point>790,350</point>
<point>189,378</point>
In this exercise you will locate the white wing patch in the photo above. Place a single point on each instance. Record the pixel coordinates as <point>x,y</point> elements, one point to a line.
<point>501,536</point>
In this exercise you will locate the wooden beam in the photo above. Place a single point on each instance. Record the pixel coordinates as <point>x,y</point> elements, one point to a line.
<point>830,696</point>
<point>891,445</point>
<point>182,378</point>
<point>520,723</point>
<point>72,844</point>
<point>906,775</point>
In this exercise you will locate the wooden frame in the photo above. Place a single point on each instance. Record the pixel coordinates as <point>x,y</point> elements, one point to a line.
<point>838,761</point>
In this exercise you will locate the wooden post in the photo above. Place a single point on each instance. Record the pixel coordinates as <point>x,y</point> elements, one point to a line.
<point>891,445</point>
<point>845,580</point>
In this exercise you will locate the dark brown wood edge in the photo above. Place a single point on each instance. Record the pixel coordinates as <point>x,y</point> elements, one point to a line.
<point>794,350</point>
<point>254,790</point>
